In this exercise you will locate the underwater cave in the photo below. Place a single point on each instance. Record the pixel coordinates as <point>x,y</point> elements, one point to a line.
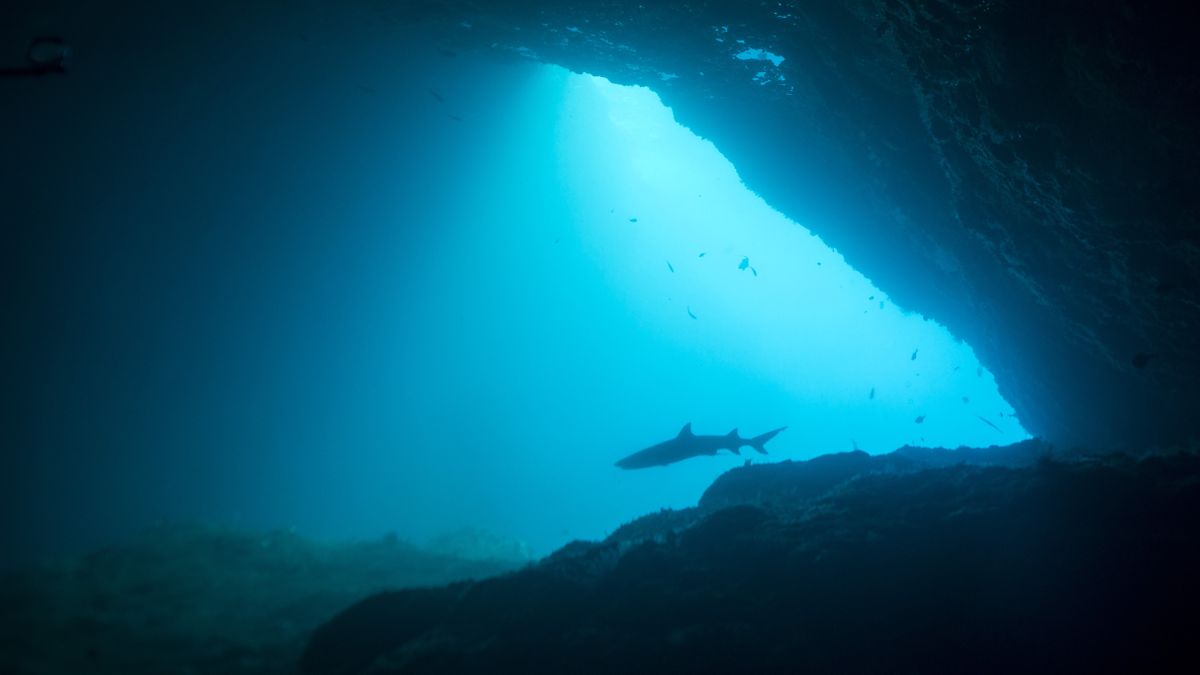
<point>357,337</point>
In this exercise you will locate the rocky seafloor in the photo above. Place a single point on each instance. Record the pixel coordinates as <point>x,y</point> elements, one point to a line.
<point>191,599</point>
<point>993,560</point>
<point>1008,560</point>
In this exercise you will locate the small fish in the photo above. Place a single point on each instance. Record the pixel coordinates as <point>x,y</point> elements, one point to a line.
<point>914,355</point>
<point>436,96</point>
<point>920,419</point>
<point>670,266</point>
<point>989,422</point>
<point>754,271</point>
<point>818,264</point>
<point>689,309</point>
<point>1142,359</point>
<point>966,399</point>
<point>456,118</point>
<point>956,369</point>
<point>871,396</point>
<point>745,263</point>
<point>702,254</point>
<point>633,220</point>
<point>871,298</point>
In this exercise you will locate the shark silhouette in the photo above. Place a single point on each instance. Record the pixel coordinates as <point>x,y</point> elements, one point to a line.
<point>687,445</point>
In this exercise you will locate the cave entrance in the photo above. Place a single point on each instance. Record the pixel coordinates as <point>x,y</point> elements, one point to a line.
<point>702,260</point>
<point>608,278</point>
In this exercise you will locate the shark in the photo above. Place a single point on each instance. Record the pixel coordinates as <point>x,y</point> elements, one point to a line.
<point>687,445</point>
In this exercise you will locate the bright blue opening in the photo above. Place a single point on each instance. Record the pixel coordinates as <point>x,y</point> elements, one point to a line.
<point>402,290</point>
<point>605,278</point>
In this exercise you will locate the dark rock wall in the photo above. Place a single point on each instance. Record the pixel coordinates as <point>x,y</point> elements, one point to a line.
<point>917,562</point>
<point>1024,173</point>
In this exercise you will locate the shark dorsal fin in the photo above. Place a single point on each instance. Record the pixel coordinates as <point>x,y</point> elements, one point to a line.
<point>732,434</point>
<point>686,430</point>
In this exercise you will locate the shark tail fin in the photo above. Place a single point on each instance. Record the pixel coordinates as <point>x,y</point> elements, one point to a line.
<point>758,442</point>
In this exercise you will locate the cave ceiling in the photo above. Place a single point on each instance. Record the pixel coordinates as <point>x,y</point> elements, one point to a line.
<point>1024,174</point>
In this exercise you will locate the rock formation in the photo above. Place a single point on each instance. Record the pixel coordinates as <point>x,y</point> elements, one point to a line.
<point>1026,176</point>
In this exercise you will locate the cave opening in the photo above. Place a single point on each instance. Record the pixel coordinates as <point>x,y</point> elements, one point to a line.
<point>335,311</point>
<point>702,259</point>
<point>448,297</point>
<point>635,277</point>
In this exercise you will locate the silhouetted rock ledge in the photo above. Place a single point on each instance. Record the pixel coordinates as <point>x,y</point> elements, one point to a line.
<point>916,561</point>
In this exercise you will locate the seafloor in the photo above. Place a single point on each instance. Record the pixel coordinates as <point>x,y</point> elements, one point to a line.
<point>1002,560</point>
<point>198,599</point>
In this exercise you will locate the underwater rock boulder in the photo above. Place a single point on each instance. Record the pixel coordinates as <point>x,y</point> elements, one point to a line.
<point>359,634</point>
<point>1081,566</point>
<point>791,482</point>
<point>795,481</point>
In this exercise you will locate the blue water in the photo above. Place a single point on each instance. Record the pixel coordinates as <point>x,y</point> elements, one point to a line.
<point>588,298</point>
<point>439,295</point>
